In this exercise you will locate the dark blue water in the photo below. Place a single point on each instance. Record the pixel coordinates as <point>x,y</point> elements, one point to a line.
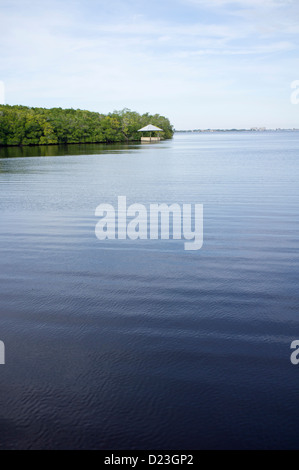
<point>142,345</point>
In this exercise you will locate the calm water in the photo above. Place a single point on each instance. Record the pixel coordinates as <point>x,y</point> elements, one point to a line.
<point>142,345</point>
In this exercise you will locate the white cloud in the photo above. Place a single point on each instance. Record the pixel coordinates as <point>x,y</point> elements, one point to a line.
<point>265,16</point>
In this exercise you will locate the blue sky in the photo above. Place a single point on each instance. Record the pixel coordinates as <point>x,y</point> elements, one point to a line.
<point>202,63</point>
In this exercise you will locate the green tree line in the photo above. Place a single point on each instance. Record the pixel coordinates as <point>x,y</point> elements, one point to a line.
<point>22,125</point>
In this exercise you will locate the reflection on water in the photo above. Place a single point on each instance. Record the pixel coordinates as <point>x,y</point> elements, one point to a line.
<point>59,150</point>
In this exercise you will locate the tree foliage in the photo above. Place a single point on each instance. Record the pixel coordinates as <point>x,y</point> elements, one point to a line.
<point>21,125</point>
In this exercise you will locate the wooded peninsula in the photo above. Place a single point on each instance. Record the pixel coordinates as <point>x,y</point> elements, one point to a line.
<point>22,125</point>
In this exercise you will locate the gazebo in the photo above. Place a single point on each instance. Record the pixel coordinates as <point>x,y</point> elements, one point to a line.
<point>150,128</point>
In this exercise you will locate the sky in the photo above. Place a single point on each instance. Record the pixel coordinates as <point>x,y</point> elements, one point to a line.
<point>202,63</point>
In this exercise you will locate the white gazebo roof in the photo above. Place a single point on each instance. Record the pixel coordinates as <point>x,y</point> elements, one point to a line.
<point>150,127</point>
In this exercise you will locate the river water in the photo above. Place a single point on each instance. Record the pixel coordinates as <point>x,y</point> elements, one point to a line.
<point>123,344</point>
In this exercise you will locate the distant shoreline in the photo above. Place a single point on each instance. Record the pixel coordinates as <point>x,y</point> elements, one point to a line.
<point>200,131</point>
